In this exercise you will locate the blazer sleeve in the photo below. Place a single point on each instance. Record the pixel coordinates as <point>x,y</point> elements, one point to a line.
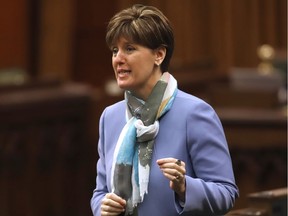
<point>101,186</point>
<point>213,190</point>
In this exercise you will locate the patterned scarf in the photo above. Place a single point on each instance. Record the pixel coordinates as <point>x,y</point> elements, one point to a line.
<point>133,152</point>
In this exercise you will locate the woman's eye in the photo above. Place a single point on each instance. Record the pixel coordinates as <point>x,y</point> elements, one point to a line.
<point>130,49</point>
<point>114,51</point>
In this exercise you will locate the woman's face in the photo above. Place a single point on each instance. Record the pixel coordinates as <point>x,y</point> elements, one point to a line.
<point>137,68</point>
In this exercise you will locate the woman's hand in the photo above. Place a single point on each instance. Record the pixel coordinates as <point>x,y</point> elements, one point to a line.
<point>175,171</point>
<point>112,205</point>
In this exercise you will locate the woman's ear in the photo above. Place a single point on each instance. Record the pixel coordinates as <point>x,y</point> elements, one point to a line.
<point>160,54</point>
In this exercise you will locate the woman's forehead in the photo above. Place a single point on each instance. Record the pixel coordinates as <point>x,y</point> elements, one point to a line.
<point>123,40</point>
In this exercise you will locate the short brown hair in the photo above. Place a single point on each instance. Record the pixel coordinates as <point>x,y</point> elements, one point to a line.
<point>144,25</point>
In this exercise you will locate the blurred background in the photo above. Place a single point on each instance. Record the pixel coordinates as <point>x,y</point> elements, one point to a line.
<point>56,78</point>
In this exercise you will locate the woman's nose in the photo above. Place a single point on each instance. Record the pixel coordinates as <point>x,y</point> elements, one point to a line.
<point>119,57</point>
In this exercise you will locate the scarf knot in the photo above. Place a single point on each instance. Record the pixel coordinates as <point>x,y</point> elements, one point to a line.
<point>146,133</point>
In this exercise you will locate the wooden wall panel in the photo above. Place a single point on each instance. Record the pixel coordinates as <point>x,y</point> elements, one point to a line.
<point>92,58</point>
<point>14,34</point>
<point>220,34</point>
<point>56,30</point>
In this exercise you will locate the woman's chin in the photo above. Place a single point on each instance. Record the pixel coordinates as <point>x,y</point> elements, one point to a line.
<point>123,85</point>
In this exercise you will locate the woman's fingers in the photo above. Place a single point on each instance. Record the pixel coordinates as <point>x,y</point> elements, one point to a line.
<point>174,170</point>
<point>112,205</point>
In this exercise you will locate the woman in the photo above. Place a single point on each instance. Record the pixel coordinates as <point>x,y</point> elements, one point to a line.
<point>162,152</point>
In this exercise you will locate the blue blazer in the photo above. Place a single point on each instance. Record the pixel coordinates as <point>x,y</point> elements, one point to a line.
<point>190,131</point>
